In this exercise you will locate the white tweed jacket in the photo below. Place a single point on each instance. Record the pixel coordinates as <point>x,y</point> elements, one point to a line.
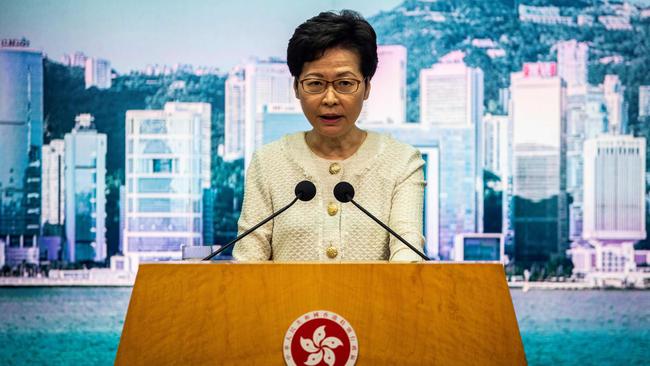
<point>389,182</point>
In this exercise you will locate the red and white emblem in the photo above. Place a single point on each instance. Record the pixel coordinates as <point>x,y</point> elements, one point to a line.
<point>320,338</point>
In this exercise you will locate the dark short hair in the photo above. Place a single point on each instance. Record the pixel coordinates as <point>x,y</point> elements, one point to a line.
<point>328,30</point>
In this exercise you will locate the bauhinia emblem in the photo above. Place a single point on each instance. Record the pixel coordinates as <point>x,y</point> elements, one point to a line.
<point>320,338</point>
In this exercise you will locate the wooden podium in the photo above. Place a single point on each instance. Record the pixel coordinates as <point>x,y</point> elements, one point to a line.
<point>401,313</point>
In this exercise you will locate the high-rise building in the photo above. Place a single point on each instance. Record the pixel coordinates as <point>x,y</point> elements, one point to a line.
<point>264,82</point>
<point>85,192</point>
<point>451,93</point>
<point>167,169</point>
<point>53,194</point>
<point>98,73</point>
<point>644,100</point>
<point>616,106</point>
<point>451,105</point>
<point>495,144</point>
<point>614,188</point>
<point>586,115</point>
<point>21,138</point>
<point>572,58</point>
<point>497,159</point>
<point>387,100</point>
<point>235,112</point>
<point>461,186</point>
<point>614,200</point>
<point>538,119</point>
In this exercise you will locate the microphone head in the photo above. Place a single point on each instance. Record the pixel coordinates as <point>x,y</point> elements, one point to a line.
<point>344,192</point>
<point>305,190</point>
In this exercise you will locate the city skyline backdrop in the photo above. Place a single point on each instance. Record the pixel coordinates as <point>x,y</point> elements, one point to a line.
<point>494,114</point>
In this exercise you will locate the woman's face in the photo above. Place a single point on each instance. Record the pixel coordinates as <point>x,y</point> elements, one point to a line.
<point>331,113</point>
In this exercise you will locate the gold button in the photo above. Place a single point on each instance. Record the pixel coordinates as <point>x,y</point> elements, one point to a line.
<point>332,208</point>
<point>332,252</point>
<point>335,168</point>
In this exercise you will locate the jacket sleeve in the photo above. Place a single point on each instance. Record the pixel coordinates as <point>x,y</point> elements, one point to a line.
<point>407,210</point>
<point>256,207</point>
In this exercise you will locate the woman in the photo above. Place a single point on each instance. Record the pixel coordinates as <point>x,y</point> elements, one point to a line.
<point>333,58</point>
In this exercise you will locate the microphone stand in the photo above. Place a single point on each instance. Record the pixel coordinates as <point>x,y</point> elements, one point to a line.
<point>250,230</point>
<point>388,229</point>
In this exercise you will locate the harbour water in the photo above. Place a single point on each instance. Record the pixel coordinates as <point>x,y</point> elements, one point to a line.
<point>81,326</point>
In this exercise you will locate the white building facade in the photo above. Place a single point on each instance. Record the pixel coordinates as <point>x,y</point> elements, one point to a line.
<point>386,103</point>
<point>53,193</point>
<point>265,82</point>
<point>451,94</point>
<point>167,168</point>
<point>572,59</point>
<point>614,189</point>
<point>97,73</point>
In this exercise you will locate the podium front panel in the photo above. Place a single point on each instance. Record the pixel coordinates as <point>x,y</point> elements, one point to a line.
<point>401,313</point>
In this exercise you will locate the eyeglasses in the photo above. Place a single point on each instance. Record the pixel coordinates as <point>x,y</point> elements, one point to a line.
<point>342,86</point>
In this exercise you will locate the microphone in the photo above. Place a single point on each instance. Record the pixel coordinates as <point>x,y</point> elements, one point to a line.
<point>344,192</point>
<point>304,191</point>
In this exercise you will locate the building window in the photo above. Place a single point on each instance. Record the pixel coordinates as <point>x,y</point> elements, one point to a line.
<point>153,126</point>
<point>156,146</point>
<point>162,165</point>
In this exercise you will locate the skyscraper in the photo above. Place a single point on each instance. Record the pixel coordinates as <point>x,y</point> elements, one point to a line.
<point>167,169</point>
<point>616,106</point>
<point>538,117</point>
<point>451,107</point>
<point>586,115</point>
<point>572,58</point>
<point>235,111</point>
<point>644,100</point>
<point>495,144</point>
<point>614,199</point>
<point>387,100</point>
<point>451,93</point>
<point>264,82</point>
<point>497,159</point>
<point>21,138</point>
<point>97,73</point>
<point>614,188</point>
<point>85,192</point>
<point>53,195</point>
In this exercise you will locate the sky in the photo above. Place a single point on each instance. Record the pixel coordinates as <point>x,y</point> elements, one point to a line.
<point>134,33</point>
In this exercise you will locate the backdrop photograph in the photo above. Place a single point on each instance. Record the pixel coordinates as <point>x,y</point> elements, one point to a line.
<point>127,130</point>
